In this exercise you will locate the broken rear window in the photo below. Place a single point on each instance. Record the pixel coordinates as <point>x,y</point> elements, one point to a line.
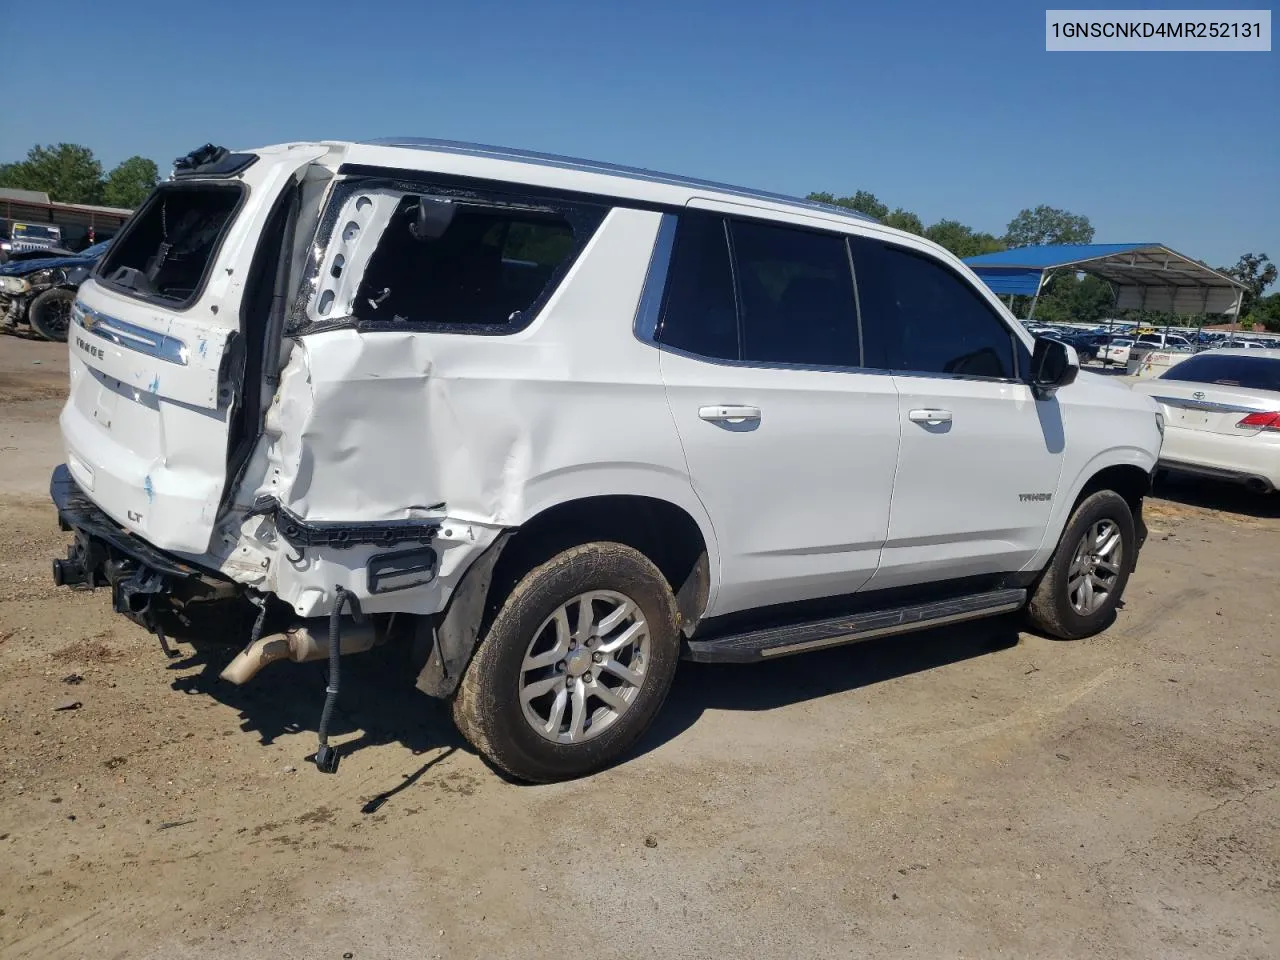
<point>467,264</point>
<point>167,250</point>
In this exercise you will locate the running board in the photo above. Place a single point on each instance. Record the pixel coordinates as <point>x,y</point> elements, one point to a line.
<point>796,638</point>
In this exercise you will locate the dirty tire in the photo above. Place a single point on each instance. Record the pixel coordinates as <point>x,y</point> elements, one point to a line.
<point>487,707</point>
<point>50,313</point>
<point>1050,609</point>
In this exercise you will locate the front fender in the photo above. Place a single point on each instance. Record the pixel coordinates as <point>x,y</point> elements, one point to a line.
<point>1072,484</point>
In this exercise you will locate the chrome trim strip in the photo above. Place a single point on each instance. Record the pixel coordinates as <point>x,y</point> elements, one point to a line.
<point>130,336</point>
<point>896,628</point>
<point>1207,406</point>
<point>645,326</point>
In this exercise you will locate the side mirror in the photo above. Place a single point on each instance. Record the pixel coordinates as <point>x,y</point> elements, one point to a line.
<point>1053,365</point>
<point>431,218</point>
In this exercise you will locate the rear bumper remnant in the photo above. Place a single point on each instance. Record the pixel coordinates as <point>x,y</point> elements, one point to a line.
<point>105,554</point>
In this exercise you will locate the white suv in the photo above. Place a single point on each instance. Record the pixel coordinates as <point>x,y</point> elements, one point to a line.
<point>558,423</point>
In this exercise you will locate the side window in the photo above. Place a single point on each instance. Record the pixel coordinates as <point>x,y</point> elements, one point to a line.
<point>699,314</point>
<point>487,269</point>
<point>919,316</point>
<point>796,292</point>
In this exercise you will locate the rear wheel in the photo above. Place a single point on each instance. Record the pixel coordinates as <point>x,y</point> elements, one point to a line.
<point>1085,579</point>
<point>575,665</point>
<point>50,313</point>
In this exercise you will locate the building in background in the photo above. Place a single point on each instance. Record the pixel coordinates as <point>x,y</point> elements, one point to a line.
<point>81,224</point>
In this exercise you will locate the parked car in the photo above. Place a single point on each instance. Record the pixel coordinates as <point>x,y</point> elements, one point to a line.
<point>29,238</point>
<point>1115,352</point>
<point>1085,347</point>
<point>40,292</point>
<point>1163,341</point>
<point>1222,416</point>
<point>561,422</point>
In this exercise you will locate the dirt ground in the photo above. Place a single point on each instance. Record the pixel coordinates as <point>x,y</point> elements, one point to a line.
<point>963,793</point>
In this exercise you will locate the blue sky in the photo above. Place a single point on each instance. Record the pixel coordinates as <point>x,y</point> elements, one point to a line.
<point>947,109</point>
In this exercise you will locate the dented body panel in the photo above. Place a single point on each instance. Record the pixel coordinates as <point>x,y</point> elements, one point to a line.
<point>146,422</point>
<point>388,426</point>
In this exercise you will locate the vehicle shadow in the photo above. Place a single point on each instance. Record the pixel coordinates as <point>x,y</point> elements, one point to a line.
<point>808,676</point>
<point>379,702</point>
<point>1216,495</point>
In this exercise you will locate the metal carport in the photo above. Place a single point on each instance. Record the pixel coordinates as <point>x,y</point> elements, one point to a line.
<point>1144,276</point>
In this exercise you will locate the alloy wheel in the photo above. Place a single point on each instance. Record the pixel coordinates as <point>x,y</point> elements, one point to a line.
<point>1095,567</point>
<point>584,667</point>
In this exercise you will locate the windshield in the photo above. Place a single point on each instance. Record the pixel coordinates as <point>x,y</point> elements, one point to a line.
<point>31,231</point>
<point>1253,373</point>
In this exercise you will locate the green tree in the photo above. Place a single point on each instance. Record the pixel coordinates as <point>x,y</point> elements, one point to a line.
<point>903,220</point>
<point>1047,225</point>
<point>1068,298</point>
<point>130,182</point>
<point>862,201</point>
<point>67,172</point>
<point>1256,272</point>
<point>962,240</point>
<point>1266,311</point>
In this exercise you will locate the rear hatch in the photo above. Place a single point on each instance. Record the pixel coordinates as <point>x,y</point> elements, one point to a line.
<point>158,347</point>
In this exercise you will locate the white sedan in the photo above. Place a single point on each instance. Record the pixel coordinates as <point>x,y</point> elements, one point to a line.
<point>1222,416</point>
<point>1117,351</point>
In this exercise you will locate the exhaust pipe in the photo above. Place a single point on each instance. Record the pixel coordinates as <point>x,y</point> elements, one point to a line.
<point>298,644</point>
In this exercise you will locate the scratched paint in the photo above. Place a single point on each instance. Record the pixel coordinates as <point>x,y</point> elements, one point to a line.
<point>149,489</point>
<point>154,385</point>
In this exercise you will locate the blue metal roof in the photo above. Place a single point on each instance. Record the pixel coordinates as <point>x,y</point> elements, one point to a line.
<point>1020,281</point>
<point>1147,276</point>
<point>1056,255</point>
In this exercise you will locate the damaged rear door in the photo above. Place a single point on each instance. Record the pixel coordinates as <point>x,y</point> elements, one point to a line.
<point>164,337</point>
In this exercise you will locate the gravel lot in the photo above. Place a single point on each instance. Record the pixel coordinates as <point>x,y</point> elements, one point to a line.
<point>970,792</point>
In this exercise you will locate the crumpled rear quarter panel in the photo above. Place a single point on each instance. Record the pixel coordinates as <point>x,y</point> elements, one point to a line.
<point>370,426</point>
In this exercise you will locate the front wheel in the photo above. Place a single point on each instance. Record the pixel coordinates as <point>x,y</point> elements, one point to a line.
<point>50,313</point>
<point>1082,586</point>
<point>575,665</point>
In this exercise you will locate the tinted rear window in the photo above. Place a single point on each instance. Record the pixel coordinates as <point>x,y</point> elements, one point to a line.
<point>796,294</point>
<point>700,313</point>
<point>166,251</point>
<point>1253,373</point>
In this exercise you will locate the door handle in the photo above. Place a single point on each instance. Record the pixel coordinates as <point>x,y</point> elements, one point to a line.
<point>930,416</point>
<point>729,414</point>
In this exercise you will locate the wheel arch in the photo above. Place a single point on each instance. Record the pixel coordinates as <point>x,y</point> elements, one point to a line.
<point>1127,479</point>
<point>665,532</point>
<point>1127,470</point>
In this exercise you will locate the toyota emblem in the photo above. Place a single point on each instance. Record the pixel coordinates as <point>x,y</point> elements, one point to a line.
<point>1198,395</point>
